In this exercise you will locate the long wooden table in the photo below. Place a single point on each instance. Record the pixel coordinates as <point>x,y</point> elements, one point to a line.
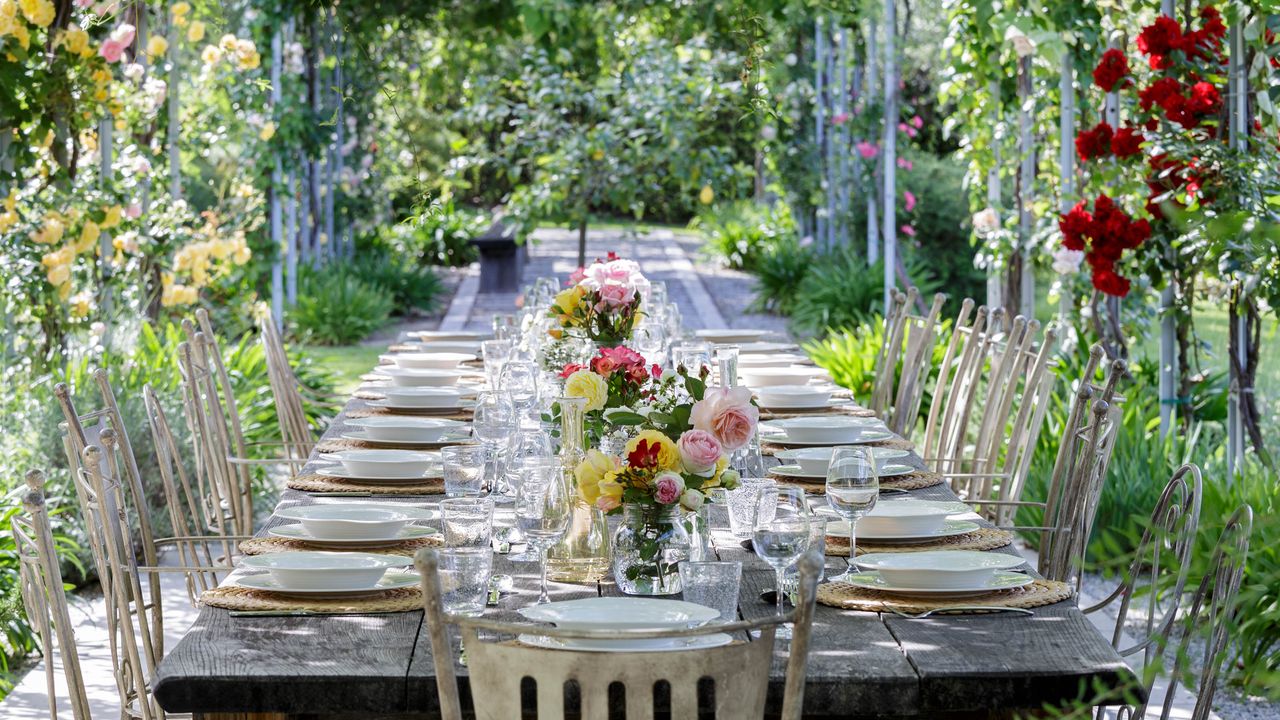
<point>861,664</point>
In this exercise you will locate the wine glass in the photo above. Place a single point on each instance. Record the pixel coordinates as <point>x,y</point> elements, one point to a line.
<point>543,509</point>
<point>527,443</point>
<point>518,383</point>
<point>651,341</point>
<point>506,326</point>
<point>852,490</point>
<point>780,534</point>
<point>496,353</point>
<point>492,422</point>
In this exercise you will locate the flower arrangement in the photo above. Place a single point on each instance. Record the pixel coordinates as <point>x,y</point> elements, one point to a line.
<point>601,303</point>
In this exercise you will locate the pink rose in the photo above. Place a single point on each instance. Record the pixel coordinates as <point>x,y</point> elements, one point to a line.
<point>111,51</point>
<point>909,200</point>
<point>576,277</point>
<point>133,211</point>
<point>124,35</point>
<point>917,122</point>
<point>608,502</point>
<point>667,487</point>
<point>867,150</point>
<point>840,118</point>
<point>908,231</point>
<point>726,413</point>
<point>614,296</point>
<point>699,451</point>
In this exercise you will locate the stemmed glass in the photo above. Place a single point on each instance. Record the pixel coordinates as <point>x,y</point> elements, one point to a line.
<point>651,341</point>
<point>543,509</point>
<point>493,421</point>
<point>506,326</point>
<point>852,490</point>
<point>496,353</point>
<point>518,383</point>
<point>780,534</point>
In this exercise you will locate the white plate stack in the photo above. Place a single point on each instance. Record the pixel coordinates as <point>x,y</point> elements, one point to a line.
<point>620,615</point>
<point>946,573</point>
<point>326,574</point>
<point>352,524</point>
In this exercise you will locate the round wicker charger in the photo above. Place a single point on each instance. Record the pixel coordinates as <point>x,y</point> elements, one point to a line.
<point>265,545</point>
<point>849,597</point>
<point>339,444</point>
<point>912,481</point>
<point>320,483</point>
<point>239,598</point>
<point>769,447</point>
<point>980,539</point>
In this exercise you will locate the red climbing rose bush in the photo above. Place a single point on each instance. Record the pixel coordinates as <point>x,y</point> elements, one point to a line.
<point>1175,95</point>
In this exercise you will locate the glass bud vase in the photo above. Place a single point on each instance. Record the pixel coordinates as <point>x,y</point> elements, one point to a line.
<point>650,542</point>
<point>583,555</point>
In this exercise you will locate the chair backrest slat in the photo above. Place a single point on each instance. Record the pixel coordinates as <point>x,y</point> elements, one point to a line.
<point>290,408</point>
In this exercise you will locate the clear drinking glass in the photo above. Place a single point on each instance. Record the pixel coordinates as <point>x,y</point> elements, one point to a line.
<point>780,534</point>
<point>713,584</point>
<point>726,358</point>
<point>518,384</point>
<point>464,579</point>
<point>543,507</point>
<point>691,356</point>
<point>852,490</point>
<point>463,470</point>
<point>506,326</point>
<point>495,354</point>
<point>533,469</point>
<point>493,420</point>
<point>467,522</point>
<point>817,548</point>
<point>741,501</point>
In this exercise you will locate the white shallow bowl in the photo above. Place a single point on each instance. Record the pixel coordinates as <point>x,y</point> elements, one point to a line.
<point>938,569</point>
<point>905,517</point>
<point>815,460</point>
<point>422,377</point>
<point>794,396</point>
<point>407,429</point>
<point>322,571</point>
<point>765,346</point>
<point>832,429</point>
<point>384,463</point>
<point>347,522</point>
<point>433,398</point>
<point>393,580</point>
<point>699,642</point>
<point>1000,580</point>
<point>755,376</point>
<point>426,360</point>
<point>297,531</point>
<point>771,359</point>
<point>731,335</point>
<point>950,528</point>
<point>432,336</point>
<point>621,614</point>
<point>470,347</point>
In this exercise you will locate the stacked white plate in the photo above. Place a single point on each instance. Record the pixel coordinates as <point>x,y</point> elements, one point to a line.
<point>426,399</point>
<point>941,572</point>
<point>794,397</point>
<point>470,347</point>
<point>622,614</point>
<point>764,376</point>
<point>827,430</point>
<point>428,360</point>
<point>731,335</point>
<point>813,461</point>
<point>771,359</point>
<point>754,348</point>
<point>401,430</point>
<point>352,524</point>
<point>423,377</point>
<point>383,466</point>
<point>315,573</point>
<point>433,336</point>
<point>907,521</point>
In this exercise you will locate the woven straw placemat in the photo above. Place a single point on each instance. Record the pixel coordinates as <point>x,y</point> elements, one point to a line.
<point>911,481</point>
<point>239,598</point>
<point>339,444</point>
<point>372,411</point>
<point>980,539</point>
<point>264,545</point>
<point>320,483</point>
<point>769,447</point>
<point>849,597</point>
<point>368,394</point>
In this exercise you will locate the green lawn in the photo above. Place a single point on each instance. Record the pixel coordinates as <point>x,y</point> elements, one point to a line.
<point>345,364</point>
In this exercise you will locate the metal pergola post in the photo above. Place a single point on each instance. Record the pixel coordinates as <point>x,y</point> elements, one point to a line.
<point>890,223</point>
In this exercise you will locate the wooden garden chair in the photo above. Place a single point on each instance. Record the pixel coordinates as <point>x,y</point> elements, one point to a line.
<point>288,391</point>
<point>888,355</point>
<point>739,672</point>
<point>1156,577</point>
<point>904,361</point>
<point>44,598</point>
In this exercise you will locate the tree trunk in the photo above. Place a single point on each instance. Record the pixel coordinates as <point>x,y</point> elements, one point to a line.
<point>1242,315</point>
<point>582,242</point>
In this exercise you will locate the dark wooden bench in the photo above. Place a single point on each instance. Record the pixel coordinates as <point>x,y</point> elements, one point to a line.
<point>502,257</point>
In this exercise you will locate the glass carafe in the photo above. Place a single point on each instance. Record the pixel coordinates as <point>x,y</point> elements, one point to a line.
<point>583,555</point>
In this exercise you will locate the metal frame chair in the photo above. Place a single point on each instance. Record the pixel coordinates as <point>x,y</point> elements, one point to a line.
<point>739,671</point>
<point>917,361</point>
<point>43,596</point>
<point>288,391</point>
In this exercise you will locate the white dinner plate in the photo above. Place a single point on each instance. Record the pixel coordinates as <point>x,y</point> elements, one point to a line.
<point>862,438</point>
<point>450,439</point>
<point>621,613</point>
<point>885,471</point>
<point>732,335</point>
<point>382,428</point>
<point>324,570</point>
<point>337,472</point>
<point>831,403</point>
<point>415,513</point>
<point>427,360</point>
<point>393,580</point>
<point>429,336</point>
<point>351,521</point>
<point>1000,581</point>
<point>767,347</point>
<point>771,360</point>
<point>384,462</point>
<point>700,642</point>
<point>938,569</point>
<point>950,528</point>
<point>413,410</point>
<point>298,532</point>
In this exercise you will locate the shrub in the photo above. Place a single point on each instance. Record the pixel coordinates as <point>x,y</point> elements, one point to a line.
<point>336,307</point>
<point>849,355</point>
<point>413,287</point>
<point>840,290</point>
<point>440,236</point>
<point>744,232</point>
<point>779,273</point>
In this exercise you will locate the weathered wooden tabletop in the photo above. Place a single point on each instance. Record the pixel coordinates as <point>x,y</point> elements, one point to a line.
<point>861,664</point>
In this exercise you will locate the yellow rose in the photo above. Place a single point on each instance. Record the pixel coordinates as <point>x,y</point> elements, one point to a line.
<point>7,220</point>
<point>23,35</point>
<point>38,12</point>
<point>180,8</point>
<point>50,232</point>
<point>195,33</point>
<point>248,61</point>
<point>228,42</point>
<point>566,300</point>
<point>156,46</point>
<point>75,40</point>
<point>707,195</point>
<point>111,217</point>
<point>586,384</point>
<point>89,235</point>
<point>211,54</point>
<point>58,275</point>
<point>267,132</point>
<point>80,305</point>
<point>668,453</point>
<point>588,474</point>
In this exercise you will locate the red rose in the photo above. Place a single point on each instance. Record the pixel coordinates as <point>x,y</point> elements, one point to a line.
<point>1161,37</point>
<point>644,456</point>
<point>1213,25</point>
<point>1159,93</point>
<point>1094,143</point>
<point>1138,233</point>
<point>1107,281</point>
<point>1205,99</point>
<point>1075,225</point>
<point>1126,142</point>
<point>570,369</point>
<point>1111,69</point>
